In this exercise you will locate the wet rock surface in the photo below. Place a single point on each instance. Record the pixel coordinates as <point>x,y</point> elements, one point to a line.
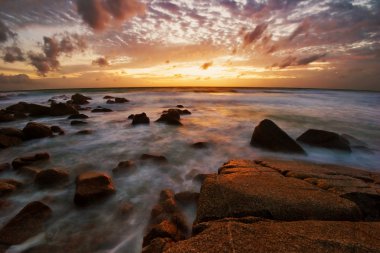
<point>138,119</point>
<point>51,177</point>
<point>34,130</point>
<point>325,139</point>
<point>92,187</point>
<point>80,99</point>
<point>268,135</point>
<point>27,223</point>
<point>29,160</point>
<point>250,203</point>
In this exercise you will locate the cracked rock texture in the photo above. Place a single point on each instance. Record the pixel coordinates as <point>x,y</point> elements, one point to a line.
<point>285,206</point>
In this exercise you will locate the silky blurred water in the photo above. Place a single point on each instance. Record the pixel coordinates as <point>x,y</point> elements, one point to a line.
<point>223,117</point>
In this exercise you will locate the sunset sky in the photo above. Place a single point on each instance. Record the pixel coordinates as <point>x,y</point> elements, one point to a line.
<point>127,43</point>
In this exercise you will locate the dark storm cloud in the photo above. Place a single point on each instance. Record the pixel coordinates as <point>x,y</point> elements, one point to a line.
<point>52,48</point>
<point>9,79</point>
<point>99,13</point>
<point>101,62</point>
<point>13,54</point>
<point>5,33</point>
<point>255,35</point>
<point>206,65</point>
<point>298,61</point>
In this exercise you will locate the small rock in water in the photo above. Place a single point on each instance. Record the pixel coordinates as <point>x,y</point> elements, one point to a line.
<point>51,177</point>
<point>108,97</point>
<point>325,139</point>
<point>78,116</point>
<point>29,160</point>
<point>268,135</point>
<point>101,109</point>
<point>131,116</point>
<point>140,119</point>
<point>155,158</point>
<point>123,167</point>
<point>34,130</point>
<point>5,166</point>
<point>80,99</point>
<point>126,209</point>
<point>91,187</point>
<point>57,130</point>
<point>84,132</point>
<point>180,106</point>
<point>78,123</point>
<point>9,141</point>
<point>8,186</point>
<point>26,224</point>
<point>170,117</point>
<point>117,100</point>
<point>200,145</point>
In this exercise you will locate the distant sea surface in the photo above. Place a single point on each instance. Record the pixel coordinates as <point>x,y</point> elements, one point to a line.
<point>223,117</point>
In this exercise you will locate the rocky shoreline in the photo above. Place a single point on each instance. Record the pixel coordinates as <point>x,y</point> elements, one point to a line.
<point>261,205</point>
<point>277,206</point>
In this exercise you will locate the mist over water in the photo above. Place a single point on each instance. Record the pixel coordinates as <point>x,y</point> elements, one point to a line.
<point>223,117</point>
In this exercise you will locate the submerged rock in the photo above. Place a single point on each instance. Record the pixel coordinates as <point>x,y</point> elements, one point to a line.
<point>51,177</point>
<point>101,109</point>
<point>34,130</point>
<point>325,139</point>
<point>187,197</point>
<point>140,119</point>
<point>57,130</point>
<point>116,100</point>
<point>84,132</point>
<point>5,166</point>
<point>200,145</point>
<point>9,141</point>
<point>80,99</point>
<point>78,123</point>
<point>124,167</point>
<point>29,160</point>
<point>78,116</point>
<point>26,224</point>
<point>154,158</point>
<point>8,186</point>
<point>268,135</point>
<point>91,187</point>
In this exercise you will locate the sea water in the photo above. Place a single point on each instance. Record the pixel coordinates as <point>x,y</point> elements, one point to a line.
<point>223,117</point>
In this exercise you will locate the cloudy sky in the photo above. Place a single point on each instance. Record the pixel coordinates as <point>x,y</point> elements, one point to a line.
<point>114,43</point>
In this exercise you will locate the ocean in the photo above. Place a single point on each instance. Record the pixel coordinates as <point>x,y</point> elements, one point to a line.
<point>223,117</point>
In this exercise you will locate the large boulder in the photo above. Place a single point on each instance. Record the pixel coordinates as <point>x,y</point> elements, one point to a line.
<point>140,119</point>
<point>34,130</point>
<point>36,110</point>
<point>252,235</point>
<point>61,109</point>
<point>29,160</point>
<point>91,187</point>
<point>51,177</point>
<point>248,188</point>
<point>269,136</point>
<point>27,223</point>
<point>325,139</point>
<point>80,99</point>
<point>20,107</point>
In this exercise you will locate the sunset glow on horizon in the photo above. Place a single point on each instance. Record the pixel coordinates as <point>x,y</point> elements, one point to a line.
<point>139,43</point>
